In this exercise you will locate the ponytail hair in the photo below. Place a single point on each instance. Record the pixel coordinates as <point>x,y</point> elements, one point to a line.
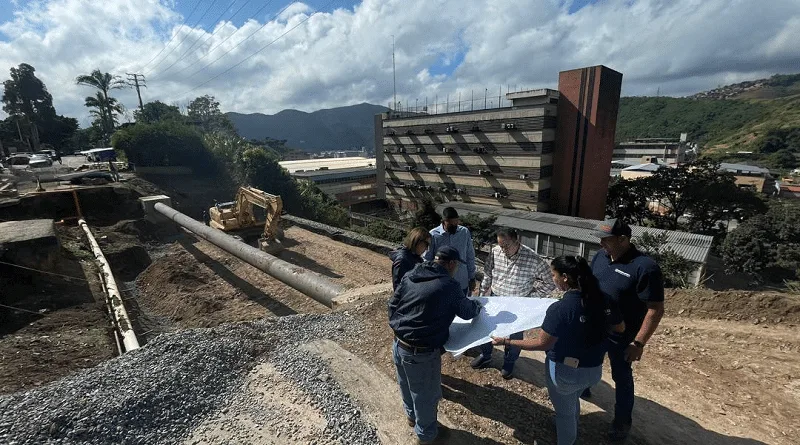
<point>579,275</point>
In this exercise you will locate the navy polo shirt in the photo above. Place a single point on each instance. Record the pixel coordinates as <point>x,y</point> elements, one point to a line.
<point>565,320</point>
<point>631,282</point>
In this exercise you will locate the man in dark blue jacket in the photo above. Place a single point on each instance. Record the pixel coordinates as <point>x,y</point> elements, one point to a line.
<point>420,313</point>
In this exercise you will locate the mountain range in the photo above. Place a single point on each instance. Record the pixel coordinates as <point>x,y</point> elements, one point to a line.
<point>343,128</point>
<point>760,116</point>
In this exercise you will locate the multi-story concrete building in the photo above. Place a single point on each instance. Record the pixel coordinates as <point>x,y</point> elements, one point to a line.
<point>670,151</point>
<point>549,151</point>
<point>350,181</point>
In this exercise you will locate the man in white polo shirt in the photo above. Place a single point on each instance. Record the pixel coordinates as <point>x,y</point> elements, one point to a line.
<point>512,270</point>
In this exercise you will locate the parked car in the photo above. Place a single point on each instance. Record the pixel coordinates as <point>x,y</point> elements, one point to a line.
<point>39,161</point>
<point>19,160</point>
<point>54,155</point>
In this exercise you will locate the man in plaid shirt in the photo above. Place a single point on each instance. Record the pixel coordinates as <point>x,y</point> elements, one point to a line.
<point>512,270</point>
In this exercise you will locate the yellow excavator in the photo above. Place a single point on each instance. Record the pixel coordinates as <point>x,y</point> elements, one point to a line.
<point>240,215</point>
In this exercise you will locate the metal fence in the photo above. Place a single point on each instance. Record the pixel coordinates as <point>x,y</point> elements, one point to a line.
<point>485,99</point>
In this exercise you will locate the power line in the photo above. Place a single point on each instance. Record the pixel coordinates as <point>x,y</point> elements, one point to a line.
<point>213,2</point>
<point>263,47</point>
<point>215,21</point>
<point>267,22</point>
<point>223,41</point>
<point>69,277</point>
<point>173,36</point>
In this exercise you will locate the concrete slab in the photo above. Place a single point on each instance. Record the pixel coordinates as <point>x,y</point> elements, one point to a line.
<point>148,203</point>
<point>29,243</point>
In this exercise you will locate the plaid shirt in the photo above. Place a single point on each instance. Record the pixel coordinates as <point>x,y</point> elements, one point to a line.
<point>525,274</point>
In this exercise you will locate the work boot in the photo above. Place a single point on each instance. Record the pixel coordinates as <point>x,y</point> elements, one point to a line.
<point>480,361</point>
<point>441,437</point>
<point>619,430</point>
<point>507,374</point>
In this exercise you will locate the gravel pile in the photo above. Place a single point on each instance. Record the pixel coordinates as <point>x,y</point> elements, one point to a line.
<point>161,392</point>
<point>345,422</point>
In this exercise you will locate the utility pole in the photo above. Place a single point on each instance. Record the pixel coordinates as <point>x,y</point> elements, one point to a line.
<point>136,80</point>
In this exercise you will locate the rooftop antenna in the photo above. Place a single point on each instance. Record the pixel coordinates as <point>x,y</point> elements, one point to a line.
<point>394,73</point>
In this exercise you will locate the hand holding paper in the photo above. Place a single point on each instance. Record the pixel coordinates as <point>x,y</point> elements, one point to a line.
<point>501,317</point>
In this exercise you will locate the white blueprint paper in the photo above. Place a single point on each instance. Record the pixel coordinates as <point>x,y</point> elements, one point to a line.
<point>501,317</point>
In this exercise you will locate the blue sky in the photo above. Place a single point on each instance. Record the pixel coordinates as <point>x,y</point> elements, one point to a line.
<point>342,55</point>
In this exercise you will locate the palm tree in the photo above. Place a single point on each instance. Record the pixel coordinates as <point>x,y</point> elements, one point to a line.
<point>105,111</point>
<point>107,106</point>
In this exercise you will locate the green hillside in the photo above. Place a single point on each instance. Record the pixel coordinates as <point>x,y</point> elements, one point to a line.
<point>725,121</point>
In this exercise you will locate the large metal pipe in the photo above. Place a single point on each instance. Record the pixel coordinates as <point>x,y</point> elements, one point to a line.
<point>310,283</point>
<point>112,293</point>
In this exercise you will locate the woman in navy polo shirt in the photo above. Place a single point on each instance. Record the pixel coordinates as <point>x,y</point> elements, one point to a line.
<point>574,335</point>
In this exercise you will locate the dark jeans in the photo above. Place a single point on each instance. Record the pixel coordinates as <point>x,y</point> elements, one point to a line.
<point>622,374</point>
<point>511,352</point>
<point>420,378</point>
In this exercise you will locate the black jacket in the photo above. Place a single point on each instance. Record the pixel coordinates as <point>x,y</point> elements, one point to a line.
<point>403,260</point>
<point>424,305</point>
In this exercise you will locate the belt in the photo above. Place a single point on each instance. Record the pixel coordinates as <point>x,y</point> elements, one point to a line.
<point>413,349</point>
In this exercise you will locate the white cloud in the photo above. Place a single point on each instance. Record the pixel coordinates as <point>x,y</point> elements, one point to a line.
<point>344,57</point>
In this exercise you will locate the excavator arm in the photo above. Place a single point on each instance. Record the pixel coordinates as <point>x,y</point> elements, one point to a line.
<point>240,213</point>
<point>247,197</point>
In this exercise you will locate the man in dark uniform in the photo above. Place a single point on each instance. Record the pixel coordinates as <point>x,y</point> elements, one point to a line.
<point>420,313</point>
<point>634,281</point>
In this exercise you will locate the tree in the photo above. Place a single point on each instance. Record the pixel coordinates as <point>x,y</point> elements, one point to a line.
<point>165,144</point>
<point>630,200</point>
<point>105,111</point>
<point>483,229</point>
<point>427,216</point>
<point>158,111</point>
<point>205,111</point>
<point>695,196</point>
<point>26,98</point>
<point>382,231</point>
<point>675,268</point>
<point>766,246</point>
<point>106,107</point>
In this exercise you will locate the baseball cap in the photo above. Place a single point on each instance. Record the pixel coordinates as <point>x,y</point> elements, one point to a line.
<point>613,227</point>
<point>448,253</point>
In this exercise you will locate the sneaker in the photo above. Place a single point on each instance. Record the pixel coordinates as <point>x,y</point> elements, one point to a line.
<point>441,437</point>
<point>411,422</point>
<point>586,394</point>
<point>507,374</point>
<point>480,361</point>
<point>619,431</point>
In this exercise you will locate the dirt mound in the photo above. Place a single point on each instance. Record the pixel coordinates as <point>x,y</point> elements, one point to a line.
<point>758,307</point>
<point>198,285</point>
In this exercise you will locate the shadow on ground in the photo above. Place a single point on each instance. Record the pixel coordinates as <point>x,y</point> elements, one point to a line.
<point>252,292</point>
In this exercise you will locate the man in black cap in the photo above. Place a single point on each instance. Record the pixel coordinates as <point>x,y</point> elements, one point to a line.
<point>634,281</point>
<point>420,313</point>
<point>452,233</point>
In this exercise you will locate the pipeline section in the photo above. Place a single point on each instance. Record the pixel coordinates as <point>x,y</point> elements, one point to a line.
<point>114,299</point>
<point>310,283</point>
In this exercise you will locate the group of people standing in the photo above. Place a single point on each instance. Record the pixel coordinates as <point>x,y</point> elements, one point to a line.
<point>612,307</point>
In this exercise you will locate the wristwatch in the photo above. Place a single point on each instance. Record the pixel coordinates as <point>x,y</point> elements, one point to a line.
<point>638,344</point>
